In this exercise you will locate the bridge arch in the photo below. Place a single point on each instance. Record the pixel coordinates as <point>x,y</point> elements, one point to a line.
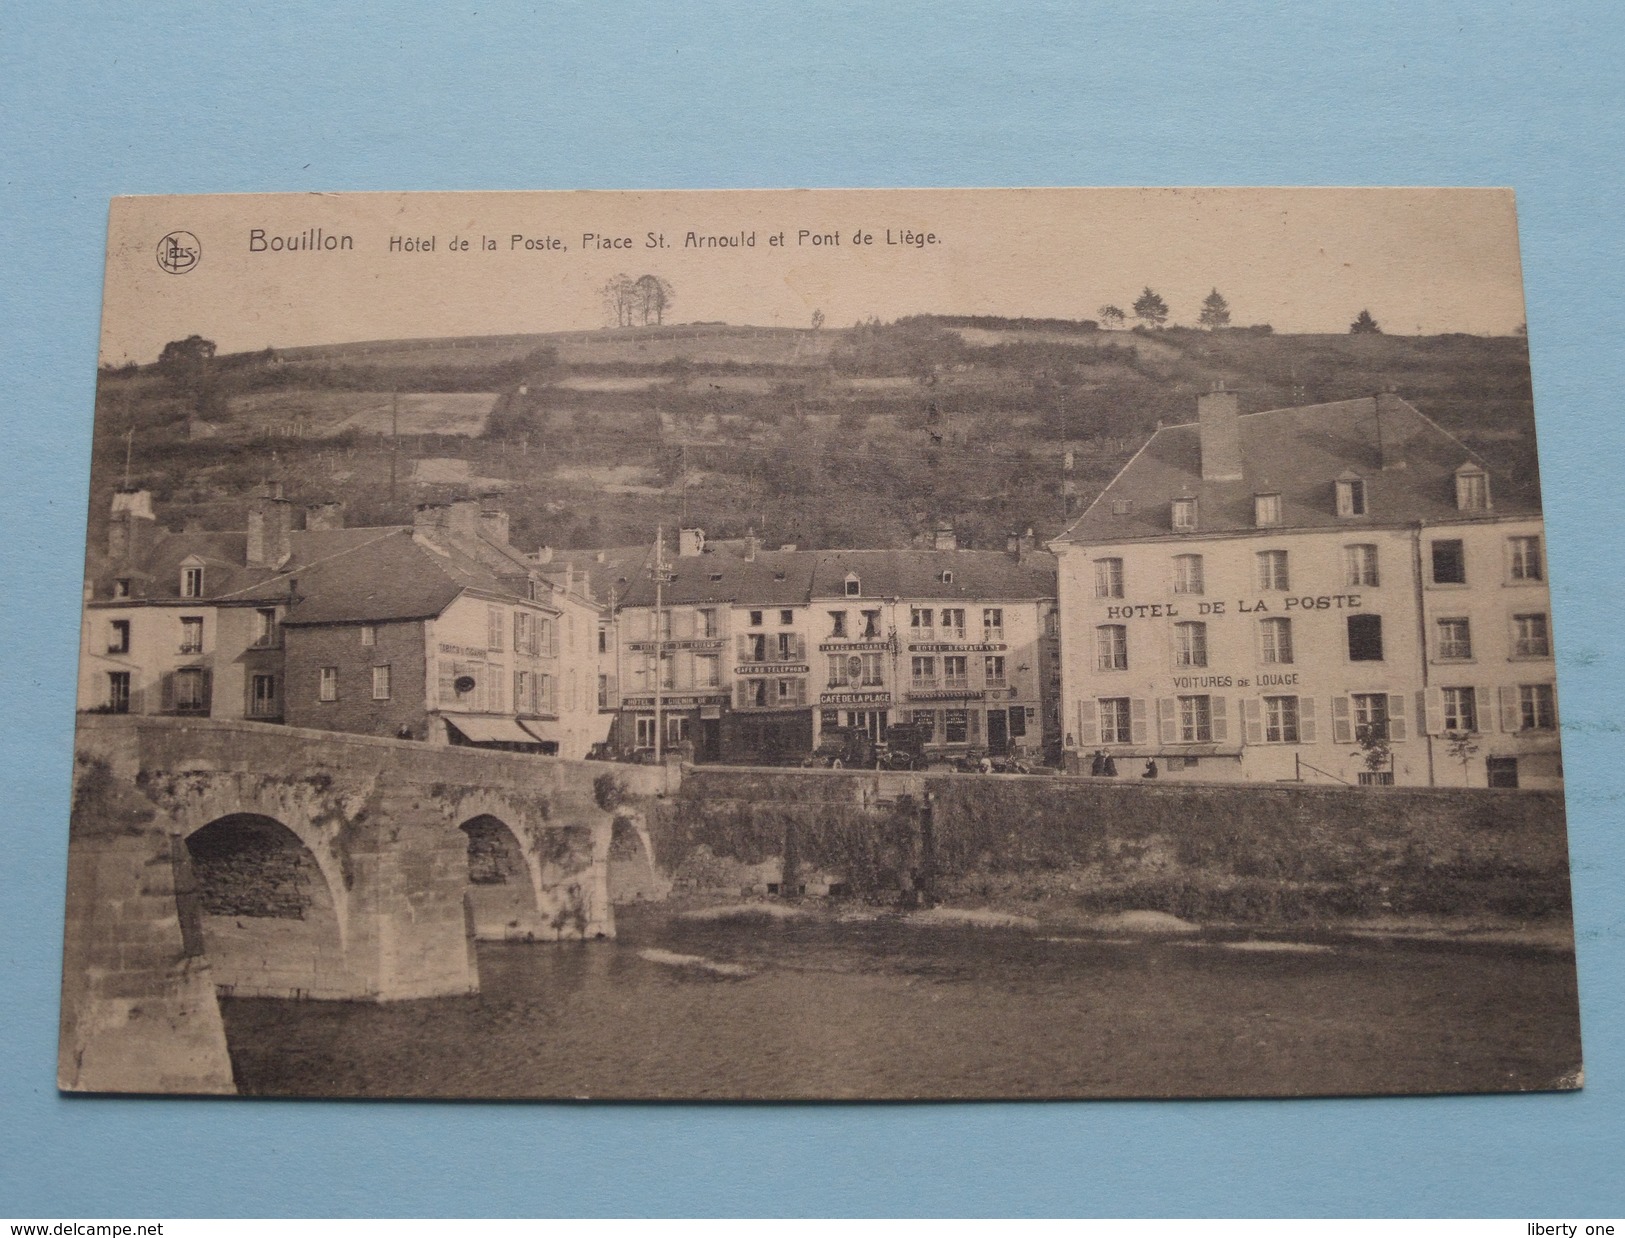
<point>633,875</point>
<point>504,890</point>
<point>271,926</point>
<point>214,799</point>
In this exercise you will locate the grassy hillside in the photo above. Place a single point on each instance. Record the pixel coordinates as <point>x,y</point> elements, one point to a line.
<point>865,436</point>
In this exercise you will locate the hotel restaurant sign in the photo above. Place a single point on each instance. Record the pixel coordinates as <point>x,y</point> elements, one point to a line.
<point>667,646</point>
<point>674,700</point>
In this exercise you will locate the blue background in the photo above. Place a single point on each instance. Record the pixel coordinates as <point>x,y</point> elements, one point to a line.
<point>165,98</point>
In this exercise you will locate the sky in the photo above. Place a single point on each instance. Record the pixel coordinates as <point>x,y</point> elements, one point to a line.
<point>1423,261</point>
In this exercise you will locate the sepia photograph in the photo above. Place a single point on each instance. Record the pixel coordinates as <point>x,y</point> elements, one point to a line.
<point>817,645</point>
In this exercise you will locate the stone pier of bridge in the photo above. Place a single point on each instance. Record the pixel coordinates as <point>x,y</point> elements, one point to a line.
<point>212,857</point>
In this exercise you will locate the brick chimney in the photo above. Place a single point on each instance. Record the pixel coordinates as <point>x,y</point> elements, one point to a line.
<point>690,542</point>
<point>131,526</point>
<point>463,518</point>
<point>945,538</point>
<point>1217,416</point>
<point>493,519</point>
<point>430,519</point>
<point>324,517</point>
<point>750,546</point>
<point>1019,545</point>
<point>270,521</point>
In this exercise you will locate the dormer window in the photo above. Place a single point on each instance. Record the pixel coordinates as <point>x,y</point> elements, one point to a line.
<point>1472,489</point>
<point>715,576</point>
<point>947,577</point>
<point>1266,510</point>
<point>1351,496</point>
<point>1122,507</point>
<point>853,586</point>
<point>121,587</point>
<point>191,582</point>
<point>1184,514</point>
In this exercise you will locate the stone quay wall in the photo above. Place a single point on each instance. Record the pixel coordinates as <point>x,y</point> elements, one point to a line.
<point>1259,853</point>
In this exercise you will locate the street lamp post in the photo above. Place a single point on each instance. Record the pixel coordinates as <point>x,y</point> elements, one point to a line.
<point>662,575</point>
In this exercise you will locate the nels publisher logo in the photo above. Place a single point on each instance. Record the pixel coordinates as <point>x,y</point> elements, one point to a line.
<point>179,252</point>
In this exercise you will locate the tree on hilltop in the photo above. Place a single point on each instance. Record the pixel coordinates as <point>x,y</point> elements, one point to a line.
<point>1151,309</point>
<point>1365,324</point>
<point>653,298</point>
<point>1111,317</point>
<point>184,362</point>
<point>1215,311</point>
<point>620,301</point>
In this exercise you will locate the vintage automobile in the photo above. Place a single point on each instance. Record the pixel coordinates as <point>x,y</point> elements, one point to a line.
<point>903,747</point>
<point>842,747</point>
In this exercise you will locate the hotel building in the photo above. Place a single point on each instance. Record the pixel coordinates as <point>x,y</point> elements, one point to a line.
<point>1334,593</point>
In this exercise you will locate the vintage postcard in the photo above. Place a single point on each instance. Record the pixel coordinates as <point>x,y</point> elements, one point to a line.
<point>824,644</point>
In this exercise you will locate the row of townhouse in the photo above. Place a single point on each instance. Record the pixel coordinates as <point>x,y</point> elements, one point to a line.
<point>754,654</point>
<point>1338,593</point>
<point>438,631</point>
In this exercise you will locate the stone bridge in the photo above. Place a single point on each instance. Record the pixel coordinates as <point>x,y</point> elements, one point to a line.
<point>253,860</point>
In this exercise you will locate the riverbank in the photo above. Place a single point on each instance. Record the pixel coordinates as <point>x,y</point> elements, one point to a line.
<point>1051,918</point>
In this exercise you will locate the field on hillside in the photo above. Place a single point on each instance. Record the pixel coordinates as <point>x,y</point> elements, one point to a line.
<point>324,414</point>
<point>862,436</point>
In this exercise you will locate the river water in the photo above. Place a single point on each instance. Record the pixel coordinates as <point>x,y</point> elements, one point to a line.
<point>820,1006</point>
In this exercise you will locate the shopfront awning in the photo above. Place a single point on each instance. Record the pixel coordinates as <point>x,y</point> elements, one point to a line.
<point>490,730</point>
<point>538,731</point>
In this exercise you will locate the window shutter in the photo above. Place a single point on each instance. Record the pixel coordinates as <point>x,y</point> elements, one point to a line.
<point>801,647</point>
<point>1510,719</point>
<point>1220,723</point>
<point>207,689</point>
<point>1136,720</point>
<point>1342,729</point>
<point>1252,718</point>
<point>1089,724</point>
<point>168,688</point>
<point>1396,717</point>
<point>801,691</point>
<point>1430,710</point>
<point>612,692</point>
<point>1165,720</point>
<point>741,693</point>
<point>553,637</point>
<point>742,643</point>
<point>1483,706</point>
<point>1307,731</point>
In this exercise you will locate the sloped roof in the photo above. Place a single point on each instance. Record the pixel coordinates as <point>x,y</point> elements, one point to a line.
<point>1298,453</point>
<point>608,572</point>
<point>394,577</point>
<point>223,556</point>
<point>796,577</point>
<point>773,578</point>
<point>973,574</point>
